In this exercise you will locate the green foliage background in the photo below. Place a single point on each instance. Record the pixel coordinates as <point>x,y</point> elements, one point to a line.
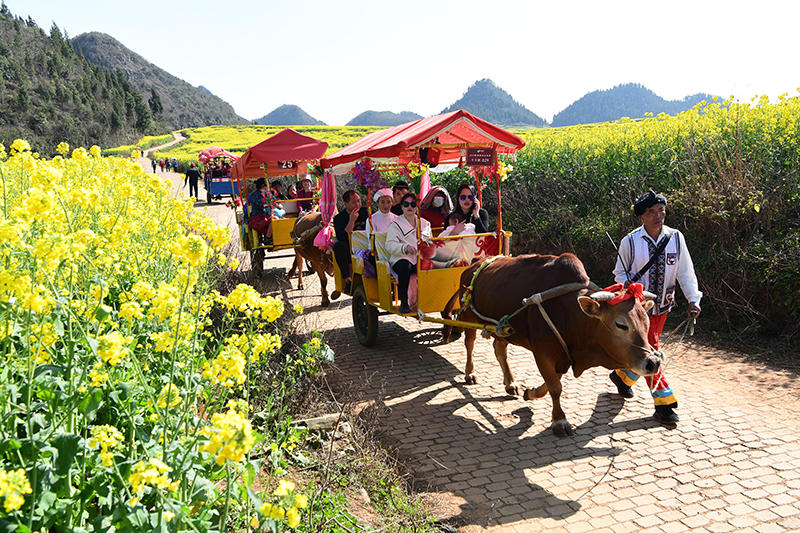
<point>730,174</point>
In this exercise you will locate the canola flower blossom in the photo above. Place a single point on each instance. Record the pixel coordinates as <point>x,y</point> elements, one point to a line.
<point>111,347</point>
<point>244,298</point>
<point>230,436</point>
<point>287,506</point>
<point>227,368</point>
<point>14,485</point>
<point>153,474</point>
<point>107,438</point>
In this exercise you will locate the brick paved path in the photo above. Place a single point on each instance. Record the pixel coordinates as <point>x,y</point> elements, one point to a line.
<point>732,463</point>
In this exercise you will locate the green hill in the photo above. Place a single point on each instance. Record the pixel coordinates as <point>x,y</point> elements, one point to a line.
<point>628,100</point>
<point>486,100</point>
<point>184,105</point>
<point>383,118</point>
<point>288,115</point>
<point>49,93</point>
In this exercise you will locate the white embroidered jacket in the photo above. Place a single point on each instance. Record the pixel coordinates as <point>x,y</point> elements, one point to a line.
<point>634,255</point>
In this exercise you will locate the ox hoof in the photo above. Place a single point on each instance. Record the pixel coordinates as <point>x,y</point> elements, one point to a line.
<point>529,395</point>
<point>326,303</point>
<point>300,287</point>
<point>335,295</point>
<point>470,379</point>
<point>514,389</point>
<point>562,428</point>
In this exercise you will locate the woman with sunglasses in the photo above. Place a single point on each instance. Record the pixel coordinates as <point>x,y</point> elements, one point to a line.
<point>468,205</point>
<point>401,242</point>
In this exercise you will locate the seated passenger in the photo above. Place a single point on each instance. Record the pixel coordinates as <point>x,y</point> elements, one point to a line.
<point>468,205</point>
<point>435,207</point>
<point>306,192</point>
<point>457,226</point>
<point>277,189</point>
<point>352,218</point>
<point>277,207</point>
<point>379,222</point>
<point>259,210</point>
<point>401,242</point>
<point>398,190</point>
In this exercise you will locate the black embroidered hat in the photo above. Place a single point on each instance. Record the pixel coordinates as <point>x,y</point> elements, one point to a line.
<point>647,200</point>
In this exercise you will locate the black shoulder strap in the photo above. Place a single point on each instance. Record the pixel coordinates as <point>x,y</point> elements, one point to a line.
<point>653,259</point>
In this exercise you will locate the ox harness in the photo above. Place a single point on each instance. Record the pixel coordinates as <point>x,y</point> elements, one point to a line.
<point>503,326</point>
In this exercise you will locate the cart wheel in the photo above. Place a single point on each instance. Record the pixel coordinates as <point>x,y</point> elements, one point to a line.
<point>365,318</point>
<point>257,262</point>
<point>208,197</point>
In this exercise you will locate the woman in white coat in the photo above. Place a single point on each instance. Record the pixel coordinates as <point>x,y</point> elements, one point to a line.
<point>401,242</point>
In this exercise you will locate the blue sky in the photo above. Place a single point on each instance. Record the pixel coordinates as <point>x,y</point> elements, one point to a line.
<point>336,59</point>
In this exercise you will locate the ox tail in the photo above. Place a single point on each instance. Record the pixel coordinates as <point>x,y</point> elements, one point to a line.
<point>447,314</point>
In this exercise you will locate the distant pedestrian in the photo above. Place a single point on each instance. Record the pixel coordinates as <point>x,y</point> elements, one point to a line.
<point>161,164</point>
<point>174,165</point>
<point>153,162</point>
<point>192,176</point>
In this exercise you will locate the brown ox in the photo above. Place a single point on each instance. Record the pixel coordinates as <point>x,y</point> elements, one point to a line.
<point>305,229</point>
<point>595,333</point>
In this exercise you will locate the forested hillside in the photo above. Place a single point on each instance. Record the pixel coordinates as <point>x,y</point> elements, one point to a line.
<point>288,115</point>
<point>49,93</point>
<point>628,100</point>
<point>486,100</point>
<point>383,118</point>
<point>182,105</point>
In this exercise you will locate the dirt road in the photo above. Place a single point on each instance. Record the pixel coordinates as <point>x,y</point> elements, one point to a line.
<point>492,463</point>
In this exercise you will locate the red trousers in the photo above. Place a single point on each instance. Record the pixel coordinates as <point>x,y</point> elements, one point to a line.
<point>659,388</point>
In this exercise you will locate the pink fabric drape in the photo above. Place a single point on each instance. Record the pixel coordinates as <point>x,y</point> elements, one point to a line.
<point>425,184</point>
<point>327,206</point>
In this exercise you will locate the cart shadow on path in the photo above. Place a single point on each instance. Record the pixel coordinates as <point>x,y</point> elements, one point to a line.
<point>474,441</point>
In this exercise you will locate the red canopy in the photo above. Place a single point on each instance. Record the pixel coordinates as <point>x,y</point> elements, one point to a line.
<point>457,129</point>
<point>286,145</point>
<point>215,151</point>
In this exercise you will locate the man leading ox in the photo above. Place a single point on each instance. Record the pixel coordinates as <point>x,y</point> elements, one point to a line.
<point>656,255</point>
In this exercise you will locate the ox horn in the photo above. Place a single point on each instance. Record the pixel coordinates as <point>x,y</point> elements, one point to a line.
<point>649,295</point>
<point>603,296</point>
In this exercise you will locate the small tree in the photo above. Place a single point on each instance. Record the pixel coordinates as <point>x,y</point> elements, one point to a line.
<point>23,100</point>
<point>156,107</point>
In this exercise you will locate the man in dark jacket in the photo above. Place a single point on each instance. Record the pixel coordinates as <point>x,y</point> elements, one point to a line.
<point>353,218</point>
<point>192,176</point>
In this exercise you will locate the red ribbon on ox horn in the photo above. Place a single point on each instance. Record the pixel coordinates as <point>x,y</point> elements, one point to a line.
<point>634,290</point>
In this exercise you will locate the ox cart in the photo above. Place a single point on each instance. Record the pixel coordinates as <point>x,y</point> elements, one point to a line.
<point>216,165</point>
<point>285,154</point>
<point>448,141</point>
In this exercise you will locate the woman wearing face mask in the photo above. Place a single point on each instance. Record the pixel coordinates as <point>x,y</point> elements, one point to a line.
<point>436,206</point>
<point>468,205</point>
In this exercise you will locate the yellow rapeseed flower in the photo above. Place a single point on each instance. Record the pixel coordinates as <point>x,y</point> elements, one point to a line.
<point>284,488</point>
<point>153,473</point>
<point>14,485</point>
<point>20,145</point>
<point>293,517</point>
<point>230,436</point>
<point>112,347</point>
<point>227,368</point>
<point>170,396</point>
<point>107,438</point>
